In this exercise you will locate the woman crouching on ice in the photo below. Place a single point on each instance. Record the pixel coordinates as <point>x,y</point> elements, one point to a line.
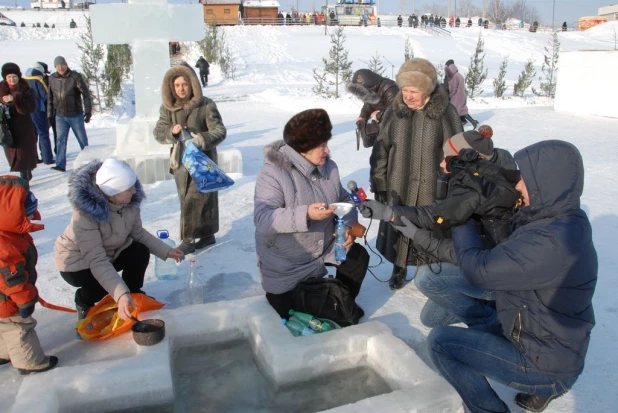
<point>106,236</point>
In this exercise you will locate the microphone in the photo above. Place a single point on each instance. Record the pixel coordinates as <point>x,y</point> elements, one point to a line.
<point>358,194</point>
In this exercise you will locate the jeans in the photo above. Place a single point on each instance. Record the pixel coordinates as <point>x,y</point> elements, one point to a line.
<point>39,119</point>
<point>451,299</point>
<point>467,357</point>
<point>76,124</point>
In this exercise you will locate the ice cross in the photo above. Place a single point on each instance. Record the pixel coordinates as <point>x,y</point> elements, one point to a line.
<point>148,26</point>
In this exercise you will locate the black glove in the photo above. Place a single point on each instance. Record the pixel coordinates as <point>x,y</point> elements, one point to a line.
<point>26,312</point>
<point>87,117</point>
<point>374,209</point>
<point>408,229</point>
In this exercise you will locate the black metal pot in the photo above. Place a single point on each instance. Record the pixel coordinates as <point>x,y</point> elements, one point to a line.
<point>148,332</point>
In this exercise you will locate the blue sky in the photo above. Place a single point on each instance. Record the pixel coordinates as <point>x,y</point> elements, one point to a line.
<point>566,10</point>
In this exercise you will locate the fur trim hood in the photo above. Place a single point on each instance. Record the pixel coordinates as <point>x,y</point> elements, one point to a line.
<point>167,93</point>
<point>274,156</point>
<point>435,108</point>
<point>363,93</point>
<point>88,199</point>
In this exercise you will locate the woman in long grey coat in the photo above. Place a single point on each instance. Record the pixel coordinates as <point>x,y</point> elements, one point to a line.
<point>406,157</point>
<point>184,107</point>
<point>294,225</point>
<point>457,93</point>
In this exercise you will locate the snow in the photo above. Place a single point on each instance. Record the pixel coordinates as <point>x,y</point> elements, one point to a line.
<point>274,79</point>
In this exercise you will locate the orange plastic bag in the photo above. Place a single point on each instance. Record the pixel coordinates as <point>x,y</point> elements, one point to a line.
<point>102,320</point>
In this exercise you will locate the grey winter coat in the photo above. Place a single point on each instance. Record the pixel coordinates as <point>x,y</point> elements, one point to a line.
<point>291,248</point>
<point>457,89</point>
<point>99,231</point>
<point>405,163</point>
<point>199,213</point>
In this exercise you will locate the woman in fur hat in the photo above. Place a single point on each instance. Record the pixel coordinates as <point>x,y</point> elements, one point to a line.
<point>376,92</point>
<point>294,225</point>
<point>16,95</point>
<point>406,157</point>
<point>105,236</point>
<point>184,107</point>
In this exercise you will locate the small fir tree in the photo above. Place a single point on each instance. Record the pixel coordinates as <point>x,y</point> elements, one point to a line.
<point>337,68</point>
<point>440,71</point>
<point>209,45</point>
<point>525,79</point>
<point>92,60</point>
<point>409,50</point>
<point>226,58</point>
<point>500,82</point>
<point>477,72</point>
<point>375,64</point>
<point>117,68</point>
<point>549,69</point>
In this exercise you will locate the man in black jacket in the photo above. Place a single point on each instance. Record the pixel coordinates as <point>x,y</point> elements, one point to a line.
<point>67,88</point>
<point>544,277</point>
<point>204,67</point>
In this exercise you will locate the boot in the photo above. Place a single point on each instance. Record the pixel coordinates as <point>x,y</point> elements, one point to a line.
<point>82,311</point>
<point>4,361</point>
<point>49,363</point>
<point>398,277</point>
<point>187,246</point>
<point>204,242</point>
<point>533,402</point>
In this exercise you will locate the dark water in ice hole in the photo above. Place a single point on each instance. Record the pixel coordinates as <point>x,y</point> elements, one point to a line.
<point>224,378</point>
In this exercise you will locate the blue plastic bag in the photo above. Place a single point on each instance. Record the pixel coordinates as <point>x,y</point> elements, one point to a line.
<point>207,175</point>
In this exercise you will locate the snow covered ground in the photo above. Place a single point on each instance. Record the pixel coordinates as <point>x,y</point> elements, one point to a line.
<point>274,80</point>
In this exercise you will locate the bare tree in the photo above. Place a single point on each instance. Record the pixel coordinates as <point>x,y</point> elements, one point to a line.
<point>521,10</point>
<point>467,9</point>
<point>437,8</point>
<point>498,11</point>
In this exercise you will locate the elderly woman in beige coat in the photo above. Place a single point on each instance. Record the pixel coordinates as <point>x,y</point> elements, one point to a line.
<point>184,108</point>
<point>106,236</point>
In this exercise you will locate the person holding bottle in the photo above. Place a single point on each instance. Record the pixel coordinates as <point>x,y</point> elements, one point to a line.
<point>294,224</point>
<point>106,236</point>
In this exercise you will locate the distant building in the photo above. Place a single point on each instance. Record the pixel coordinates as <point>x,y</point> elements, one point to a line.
<point>610,12</point>
<point>221,11</point>
<point>257,10</point>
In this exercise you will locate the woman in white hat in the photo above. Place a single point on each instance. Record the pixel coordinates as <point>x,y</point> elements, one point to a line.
<point>106,236</point>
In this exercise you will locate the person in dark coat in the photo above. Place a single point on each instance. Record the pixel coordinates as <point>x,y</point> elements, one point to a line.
<point>410,21</point>
<point>376,92</point>
<point>184,108</point>
<point>19,102</point>
<point>457,22</point>
<point>204,67</point>
<point>469,24</point>
<point>35,76</point>
<point>407,154</point>
<point>544,276</point>
<point>22,24</point>
<point>399,21</point>
<point>564,27</point>
<point>480,21</point>
<point>72,24</point>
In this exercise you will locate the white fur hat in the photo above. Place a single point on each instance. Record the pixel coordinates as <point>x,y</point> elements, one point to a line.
<point>114,177</point>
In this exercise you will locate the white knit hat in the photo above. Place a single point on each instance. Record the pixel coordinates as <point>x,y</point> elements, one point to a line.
<point>114,177</point>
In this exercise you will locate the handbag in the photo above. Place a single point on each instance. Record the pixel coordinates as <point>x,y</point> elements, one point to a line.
<point>6,137</point>
<point>367,132</point>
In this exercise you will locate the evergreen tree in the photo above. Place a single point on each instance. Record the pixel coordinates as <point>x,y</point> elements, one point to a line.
<point>499,82</point>
<point>209,45</point>
<point>525,79</point>
<point>92,60</point>
<point>549,69</point>
<point>337,68</point>
<point>409,50</point>
<point>226,58</point>
<point>375,64</point>
<point>440,71</point>
<point>477,72</point>
<point>117,68</point>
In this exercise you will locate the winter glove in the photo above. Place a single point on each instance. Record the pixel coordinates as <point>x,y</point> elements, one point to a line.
<point>374,209</point>
<point>26,312</point>
<point>408,229</point>
<point>87,117</point>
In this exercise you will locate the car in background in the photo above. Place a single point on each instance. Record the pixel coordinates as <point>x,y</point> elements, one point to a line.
<point>5,21</point>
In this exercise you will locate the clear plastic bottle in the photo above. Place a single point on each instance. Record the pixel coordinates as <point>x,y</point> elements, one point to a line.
<point>297,328</point>
<point>195,288</point>
<point>165,269</point>
<point>340,250</point>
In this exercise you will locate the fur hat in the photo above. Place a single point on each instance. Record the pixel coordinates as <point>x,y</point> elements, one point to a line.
<point>476,140</point>
<point>418,73</point>
<point>307,130</point>
<point>10,69</point>
<point>114,177</point>
<point>170,100</point>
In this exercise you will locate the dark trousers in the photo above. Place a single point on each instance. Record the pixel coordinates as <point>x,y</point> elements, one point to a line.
<point>351,272</point>
<point>204,78</point>
<point>132,261</point>
<point>466,118</point>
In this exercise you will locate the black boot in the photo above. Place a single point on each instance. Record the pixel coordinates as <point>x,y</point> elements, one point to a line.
<point>204,242</point>
<point>398,277</point>
<point>82,311</point>
<point>534,403</point>
<point>49,363</point>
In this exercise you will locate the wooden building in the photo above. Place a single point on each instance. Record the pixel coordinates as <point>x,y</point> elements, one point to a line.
<point>256,10</point>
<point>222,11</point>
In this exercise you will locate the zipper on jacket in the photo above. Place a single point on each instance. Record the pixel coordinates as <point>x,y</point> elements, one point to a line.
<point>519,329</point>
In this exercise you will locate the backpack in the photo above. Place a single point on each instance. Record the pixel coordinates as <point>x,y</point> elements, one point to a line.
<point>327,298</point>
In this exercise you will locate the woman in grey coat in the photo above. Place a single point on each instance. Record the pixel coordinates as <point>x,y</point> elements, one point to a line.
<point>406,157</point>
<point>184,108</point>
<point>294,225</point>
<point>457,93</point>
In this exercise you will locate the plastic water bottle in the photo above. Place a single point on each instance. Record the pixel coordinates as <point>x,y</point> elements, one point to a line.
<point>312,322</point>
<point>297,328</point>
<point>195,288</point>
<point>165,269</point>
<point>340,250</point>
